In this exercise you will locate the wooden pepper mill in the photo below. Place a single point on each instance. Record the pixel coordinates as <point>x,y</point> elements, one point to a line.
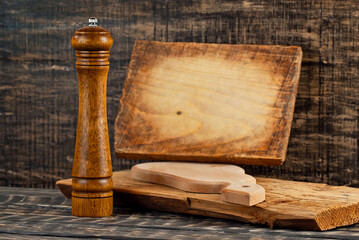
<point>92,194</point>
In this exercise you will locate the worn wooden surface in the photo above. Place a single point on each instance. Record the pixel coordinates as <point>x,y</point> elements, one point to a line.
<point>228,180</point>
<point>46,214</point>
<point>289,204</point>
<point>39,96</point>
<point>219,103</point>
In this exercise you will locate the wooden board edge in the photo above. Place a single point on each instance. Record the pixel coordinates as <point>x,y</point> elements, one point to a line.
<point>295,70</point>
<point>249,215</point>
<point>147,42</point>
<point>262,161</point>
<point>188,207</point>
<point>329,219</point>
<point>65,186</point>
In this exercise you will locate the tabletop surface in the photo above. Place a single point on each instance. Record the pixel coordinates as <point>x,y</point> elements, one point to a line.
<point>43,213</point>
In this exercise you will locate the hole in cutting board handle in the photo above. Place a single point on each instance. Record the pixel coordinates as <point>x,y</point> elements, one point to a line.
<point>179,112</point>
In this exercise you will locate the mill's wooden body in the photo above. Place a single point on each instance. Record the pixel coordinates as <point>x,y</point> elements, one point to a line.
<point>92,194</point>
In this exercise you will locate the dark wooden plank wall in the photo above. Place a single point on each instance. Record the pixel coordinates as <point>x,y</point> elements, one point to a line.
<point>38,86</point>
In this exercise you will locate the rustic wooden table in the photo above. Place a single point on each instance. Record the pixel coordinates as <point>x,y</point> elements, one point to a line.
<point>41,213</point>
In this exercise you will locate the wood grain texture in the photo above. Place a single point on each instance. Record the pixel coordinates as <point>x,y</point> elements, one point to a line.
<point>92,168</point>
<point>289,204</point>
<point>208,102</point>
<point>228,180</point>
<point>39,97</point>
<point>46,214</point>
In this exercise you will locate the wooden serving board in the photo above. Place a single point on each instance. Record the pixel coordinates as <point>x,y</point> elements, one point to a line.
<point>289,204</point>
<point>208,103</point>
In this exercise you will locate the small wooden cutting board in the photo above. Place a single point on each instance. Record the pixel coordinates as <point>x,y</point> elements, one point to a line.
<point>199,102</point>
<point>234,185</point>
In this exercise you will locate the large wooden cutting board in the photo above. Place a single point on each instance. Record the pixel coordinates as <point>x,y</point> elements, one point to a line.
<point>288,204</point>
<point>208,103</point>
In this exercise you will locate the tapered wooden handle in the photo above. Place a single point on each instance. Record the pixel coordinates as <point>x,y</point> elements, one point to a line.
<point>92,194</point>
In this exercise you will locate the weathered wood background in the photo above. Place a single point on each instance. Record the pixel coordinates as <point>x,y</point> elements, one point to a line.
<point>38,85</point>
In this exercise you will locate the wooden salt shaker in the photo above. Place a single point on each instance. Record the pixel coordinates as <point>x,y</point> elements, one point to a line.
<point>92,194</point>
